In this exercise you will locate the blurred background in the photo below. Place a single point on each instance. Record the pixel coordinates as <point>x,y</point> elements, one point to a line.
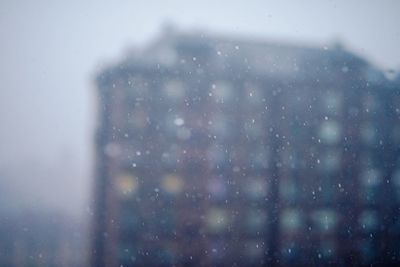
<point>51,53</point>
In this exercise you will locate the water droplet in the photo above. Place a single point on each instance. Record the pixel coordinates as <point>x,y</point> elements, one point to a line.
<point>179,121</point>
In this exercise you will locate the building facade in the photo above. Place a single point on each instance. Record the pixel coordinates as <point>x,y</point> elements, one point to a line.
<point>215,151</point>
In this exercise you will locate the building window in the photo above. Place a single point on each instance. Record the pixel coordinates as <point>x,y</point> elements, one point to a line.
<point>254,249</point>
<point>396,134</point>
<point>173,123</point>
<point>221,91</point>
<point>288,190</point>
<point>324,220</point>
<point>171,157</point>
<point>167,222</point>
<point>167,255</point>
<point>129,223</point>
<point>219,126</point>
<point>330,161</point>
<point>174,90</point>
<point>368,220</point>
<point>368,133</point>
<point>255,221</point>
<point>172,184</point>
<point>255,188</point>
<point>216,155</point>
<point>371,178</point>
<point>259,158</point>
<point>126,185</point>
<point>137,87</point>
<point>112,150</point>
<point>217,220</point>
<point>327,248</point>
<point>253,94</point>
<point>370,195</point>
<point>289,250</point>
<point>218,251</point>
<point>396,182</point>
<point>127,254</point>
<point>370,104</point>
<point>367,249</point>
<point>216,187</point>
<point>291,221</point>
<point>138,118</point>
<point>332,102</point>
<point>330,132</point>
<point>184,133</point>
<point>253,128</point>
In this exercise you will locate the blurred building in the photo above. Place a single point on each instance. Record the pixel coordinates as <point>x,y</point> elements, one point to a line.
<point>214,151</point>
<point>41,239</point>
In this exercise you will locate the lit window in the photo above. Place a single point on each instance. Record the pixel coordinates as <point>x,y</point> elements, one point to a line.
<point>330,132</point>
<point>291,220</point>
<point>324,220</point>
<point>217,220</point>
<point>172,184</point>
<point>371,178</point>
<point>126,184</point>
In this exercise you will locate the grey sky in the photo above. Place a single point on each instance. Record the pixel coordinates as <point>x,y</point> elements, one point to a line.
<point>50,51</point>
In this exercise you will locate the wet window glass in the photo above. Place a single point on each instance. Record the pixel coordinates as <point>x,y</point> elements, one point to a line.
<point>202,133</point>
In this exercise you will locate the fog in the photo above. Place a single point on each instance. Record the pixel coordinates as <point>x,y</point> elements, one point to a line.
<point>51,53</point>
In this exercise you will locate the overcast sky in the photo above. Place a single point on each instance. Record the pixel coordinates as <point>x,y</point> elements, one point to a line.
<point>51,50</point>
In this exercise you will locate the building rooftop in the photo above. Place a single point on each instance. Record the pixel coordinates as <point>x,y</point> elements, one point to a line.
<point>199,52</point>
